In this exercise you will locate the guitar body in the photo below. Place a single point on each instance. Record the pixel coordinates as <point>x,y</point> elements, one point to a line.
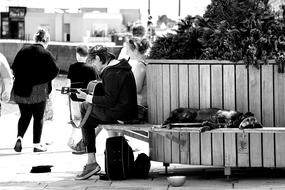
<point>95,87</point>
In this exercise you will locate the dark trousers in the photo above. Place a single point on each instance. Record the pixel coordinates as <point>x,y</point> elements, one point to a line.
<point>95,118</point>
<point>27,111</point>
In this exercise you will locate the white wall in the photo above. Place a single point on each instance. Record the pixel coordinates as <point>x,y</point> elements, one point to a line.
<point>76,26</point>
<point>79,24</point>
<point>34,20</point>
<point>58,28</point>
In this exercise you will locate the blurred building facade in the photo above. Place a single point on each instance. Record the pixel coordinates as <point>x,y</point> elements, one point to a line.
<point>86,24</point>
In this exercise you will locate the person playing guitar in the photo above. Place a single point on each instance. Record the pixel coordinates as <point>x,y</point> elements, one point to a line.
<point>117,102</point>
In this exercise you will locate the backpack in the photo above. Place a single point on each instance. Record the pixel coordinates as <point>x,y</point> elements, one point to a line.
<point>119,158</point>
<point>141,166</point>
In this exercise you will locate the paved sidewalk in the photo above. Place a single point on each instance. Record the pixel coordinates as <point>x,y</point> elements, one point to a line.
<point>15,167</point>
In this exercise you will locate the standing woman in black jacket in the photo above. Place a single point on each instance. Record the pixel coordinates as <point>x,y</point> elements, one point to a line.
<point>34,68</point>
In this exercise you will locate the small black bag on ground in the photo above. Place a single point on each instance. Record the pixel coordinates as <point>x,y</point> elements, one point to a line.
<point>142,166</point>
<point>119,158</point>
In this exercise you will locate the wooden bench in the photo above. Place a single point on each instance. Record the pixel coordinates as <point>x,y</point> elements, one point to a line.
<point>221,84</point>
<point>131,130</point>
<point>225,147</point>
<point>228,148</point>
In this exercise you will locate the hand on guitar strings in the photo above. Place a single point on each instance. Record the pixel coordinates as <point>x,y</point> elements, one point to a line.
<point>80,94</point>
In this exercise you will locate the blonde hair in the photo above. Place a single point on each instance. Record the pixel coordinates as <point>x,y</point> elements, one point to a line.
<point>42,35</point>
<point>141,45</point>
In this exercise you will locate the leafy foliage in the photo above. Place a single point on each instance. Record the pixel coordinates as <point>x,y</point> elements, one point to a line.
<point>230,30</point>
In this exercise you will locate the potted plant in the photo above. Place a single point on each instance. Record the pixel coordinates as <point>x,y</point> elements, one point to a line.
<point>232,57</point>
<point>232,30</point>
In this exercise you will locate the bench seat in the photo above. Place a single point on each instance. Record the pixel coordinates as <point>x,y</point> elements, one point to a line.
<point>132,130</point>
<point>225,147</point>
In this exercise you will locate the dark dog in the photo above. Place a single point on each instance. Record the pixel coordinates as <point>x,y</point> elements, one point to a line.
<point>211,118</point>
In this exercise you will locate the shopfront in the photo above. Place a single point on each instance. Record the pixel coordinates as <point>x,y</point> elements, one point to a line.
<point>13,23</point>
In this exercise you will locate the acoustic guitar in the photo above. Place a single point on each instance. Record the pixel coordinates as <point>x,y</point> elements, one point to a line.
<point>94,87</point>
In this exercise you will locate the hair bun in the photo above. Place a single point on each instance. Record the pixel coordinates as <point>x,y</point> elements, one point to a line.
<point>41,35</point>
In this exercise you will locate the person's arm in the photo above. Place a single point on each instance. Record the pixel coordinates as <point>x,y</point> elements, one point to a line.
<point>7,79</point>
<point>111,92</point>
<point>68,82</point>
<point>139,71</point>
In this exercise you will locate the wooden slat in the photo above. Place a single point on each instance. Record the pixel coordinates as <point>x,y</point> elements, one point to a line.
<point>205,86</point>
<point>243,149</point>
<point>264,130</point>
<point>218,149</point>
<point>267,96</point>
<point>152,147</point>
<point>160,148</point>
<point>229,87</point>
<point>137,127</point>
<point>242,89</point>
<point>175,148</point>
<point>199,62</point>
<point>167,150</point>
<point>279,81</point>
<point>166,109</point>
<point>255,150</point>
<point>159,97</point>
<point>193,86</point>
<point>185,148</point>
<point>195,148</point>
<point>254,92</point>
<point>206,149</point>
<point>166,91</point>
<point>280,150</point>
<point>217,86</point>
<point>183,86</point>
<point>136,135</point>
<point>174,87</point>
<point>151,93</point>
<point>268,150</point>
<point>230,149</point>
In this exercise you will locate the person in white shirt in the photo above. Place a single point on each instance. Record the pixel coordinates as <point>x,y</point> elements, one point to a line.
<point>138,31</point>
<point>6,80</point>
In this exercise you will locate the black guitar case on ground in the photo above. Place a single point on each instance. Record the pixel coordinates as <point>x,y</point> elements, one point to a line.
<point>119,158</point>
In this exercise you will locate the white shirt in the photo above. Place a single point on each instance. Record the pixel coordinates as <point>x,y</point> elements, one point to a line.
<point>6,79</point>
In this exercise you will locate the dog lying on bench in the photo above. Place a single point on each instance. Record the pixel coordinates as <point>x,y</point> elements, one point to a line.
<point>211,118</point>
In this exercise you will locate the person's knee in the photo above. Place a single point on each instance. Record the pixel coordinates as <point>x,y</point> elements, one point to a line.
<point>83,107</point>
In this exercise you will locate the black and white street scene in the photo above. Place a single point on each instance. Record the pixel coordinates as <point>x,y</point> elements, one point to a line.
<point>142,94</point>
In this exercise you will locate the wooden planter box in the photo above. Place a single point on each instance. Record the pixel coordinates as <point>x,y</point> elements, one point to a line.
<point>221,84</point>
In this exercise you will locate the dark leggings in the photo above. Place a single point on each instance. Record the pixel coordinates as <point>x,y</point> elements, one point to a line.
<point>27,111</point>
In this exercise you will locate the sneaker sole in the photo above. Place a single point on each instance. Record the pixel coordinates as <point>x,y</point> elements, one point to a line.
<point>39,150</point>
<point>97,170</point>
<point>79,152</point>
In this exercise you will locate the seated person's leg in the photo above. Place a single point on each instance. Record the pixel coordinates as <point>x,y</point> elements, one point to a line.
<point>89,139</point>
